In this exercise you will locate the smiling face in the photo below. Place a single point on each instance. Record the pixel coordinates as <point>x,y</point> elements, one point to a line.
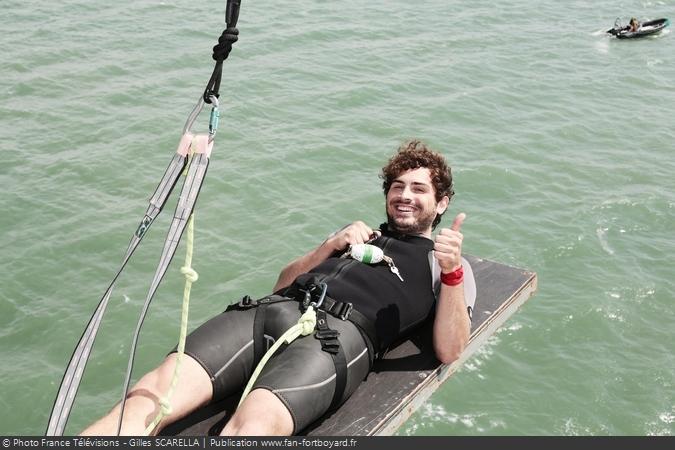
<point>411,202</point>
<point>417,184</point>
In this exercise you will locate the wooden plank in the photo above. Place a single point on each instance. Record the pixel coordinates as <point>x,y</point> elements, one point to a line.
<point>409,374</point>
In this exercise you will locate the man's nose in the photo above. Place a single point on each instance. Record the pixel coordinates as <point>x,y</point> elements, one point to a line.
<point>406,193</point>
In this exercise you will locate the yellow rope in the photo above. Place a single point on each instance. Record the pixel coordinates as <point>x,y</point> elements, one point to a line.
<point>190,277</point>
<point>306,324</point>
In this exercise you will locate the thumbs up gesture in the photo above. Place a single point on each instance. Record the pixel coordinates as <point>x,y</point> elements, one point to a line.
<point>448,245</point>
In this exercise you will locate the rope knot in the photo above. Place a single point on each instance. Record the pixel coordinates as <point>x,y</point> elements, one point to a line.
<point>307,321</point>
<point>190,274</point>
<point>222,50</point>
<point>165,406</point>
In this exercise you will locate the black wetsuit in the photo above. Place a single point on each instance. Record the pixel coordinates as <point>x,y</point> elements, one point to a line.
<point>301,375</point>
<point>392,305</point>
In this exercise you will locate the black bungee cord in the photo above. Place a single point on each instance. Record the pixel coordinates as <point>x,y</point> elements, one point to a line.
<point>222,49</point>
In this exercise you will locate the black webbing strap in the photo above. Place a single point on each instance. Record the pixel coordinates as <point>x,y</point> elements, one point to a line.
<point>345,311</point>
<point>331,344</point>
<point>247,302</point>
<point>328,337</point>
<point>259,347</point>
<point>259,342</point>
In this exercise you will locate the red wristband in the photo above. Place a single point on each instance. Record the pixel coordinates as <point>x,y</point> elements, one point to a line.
<point>453,278</point>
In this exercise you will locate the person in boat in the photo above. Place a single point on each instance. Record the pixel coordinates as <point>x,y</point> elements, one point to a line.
<point>318,372</point>
<point>634,24</point>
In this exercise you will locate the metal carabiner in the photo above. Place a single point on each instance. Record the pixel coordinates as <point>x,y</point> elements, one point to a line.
<point>193,116</point>
<point>214,117</point>
<point>317,304</point>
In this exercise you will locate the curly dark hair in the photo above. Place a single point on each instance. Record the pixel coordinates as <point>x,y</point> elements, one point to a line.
<point>416,154</point>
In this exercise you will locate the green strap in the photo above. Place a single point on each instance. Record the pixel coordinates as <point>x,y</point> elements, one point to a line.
<point>190,277</point>
<point>306,324</point>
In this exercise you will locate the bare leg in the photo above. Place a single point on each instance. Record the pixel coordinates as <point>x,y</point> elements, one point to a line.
<point>261,414</point>
<point>192,391</point>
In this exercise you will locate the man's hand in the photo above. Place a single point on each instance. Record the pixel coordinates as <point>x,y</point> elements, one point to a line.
<point>448,245</point>
<point>355,233</point>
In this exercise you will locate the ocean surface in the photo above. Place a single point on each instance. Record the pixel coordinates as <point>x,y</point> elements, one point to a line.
<point>561,141</point>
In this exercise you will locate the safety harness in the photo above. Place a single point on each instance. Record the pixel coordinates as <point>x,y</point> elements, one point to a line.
<point>315,303</point>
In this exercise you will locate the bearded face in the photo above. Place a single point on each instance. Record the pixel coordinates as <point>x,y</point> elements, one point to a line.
<point>411,203</point>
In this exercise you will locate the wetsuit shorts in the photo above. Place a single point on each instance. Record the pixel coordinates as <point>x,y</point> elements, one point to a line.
<point>300,374</point>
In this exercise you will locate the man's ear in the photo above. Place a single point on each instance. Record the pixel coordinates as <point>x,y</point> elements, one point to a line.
<point>442,205</point>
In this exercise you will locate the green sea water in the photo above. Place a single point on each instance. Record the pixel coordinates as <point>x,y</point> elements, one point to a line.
<point>561,141</point>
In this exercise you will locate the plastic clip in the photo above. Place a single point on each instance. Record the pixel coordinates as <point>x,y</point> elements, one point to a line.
<point>345,311</point>
<point>246,302</point>
<point>327,333</point>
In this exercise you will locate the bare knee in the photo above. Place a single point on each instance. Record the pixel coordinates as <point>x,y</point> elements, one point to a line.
<point>261,414</point>
<point>154,384</point>
<point>193,388</point>
<point>141,404</point>
<point>144,401</point>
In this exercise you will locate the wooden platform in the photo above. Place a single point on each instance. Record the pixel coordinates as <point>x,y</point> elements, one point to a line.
<point>408,375</point>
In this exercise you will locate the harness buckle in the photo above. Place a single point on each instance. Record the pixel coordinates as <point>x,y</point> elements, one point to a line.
<point>332,347</point>
<point>345,310</point>
<point>246,302</point>
<point>265,300</point>
<point>326,333</point>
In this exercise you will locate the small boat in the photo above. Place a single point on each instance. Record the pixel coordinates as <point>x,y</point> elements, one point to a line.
<point>645,29</point>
